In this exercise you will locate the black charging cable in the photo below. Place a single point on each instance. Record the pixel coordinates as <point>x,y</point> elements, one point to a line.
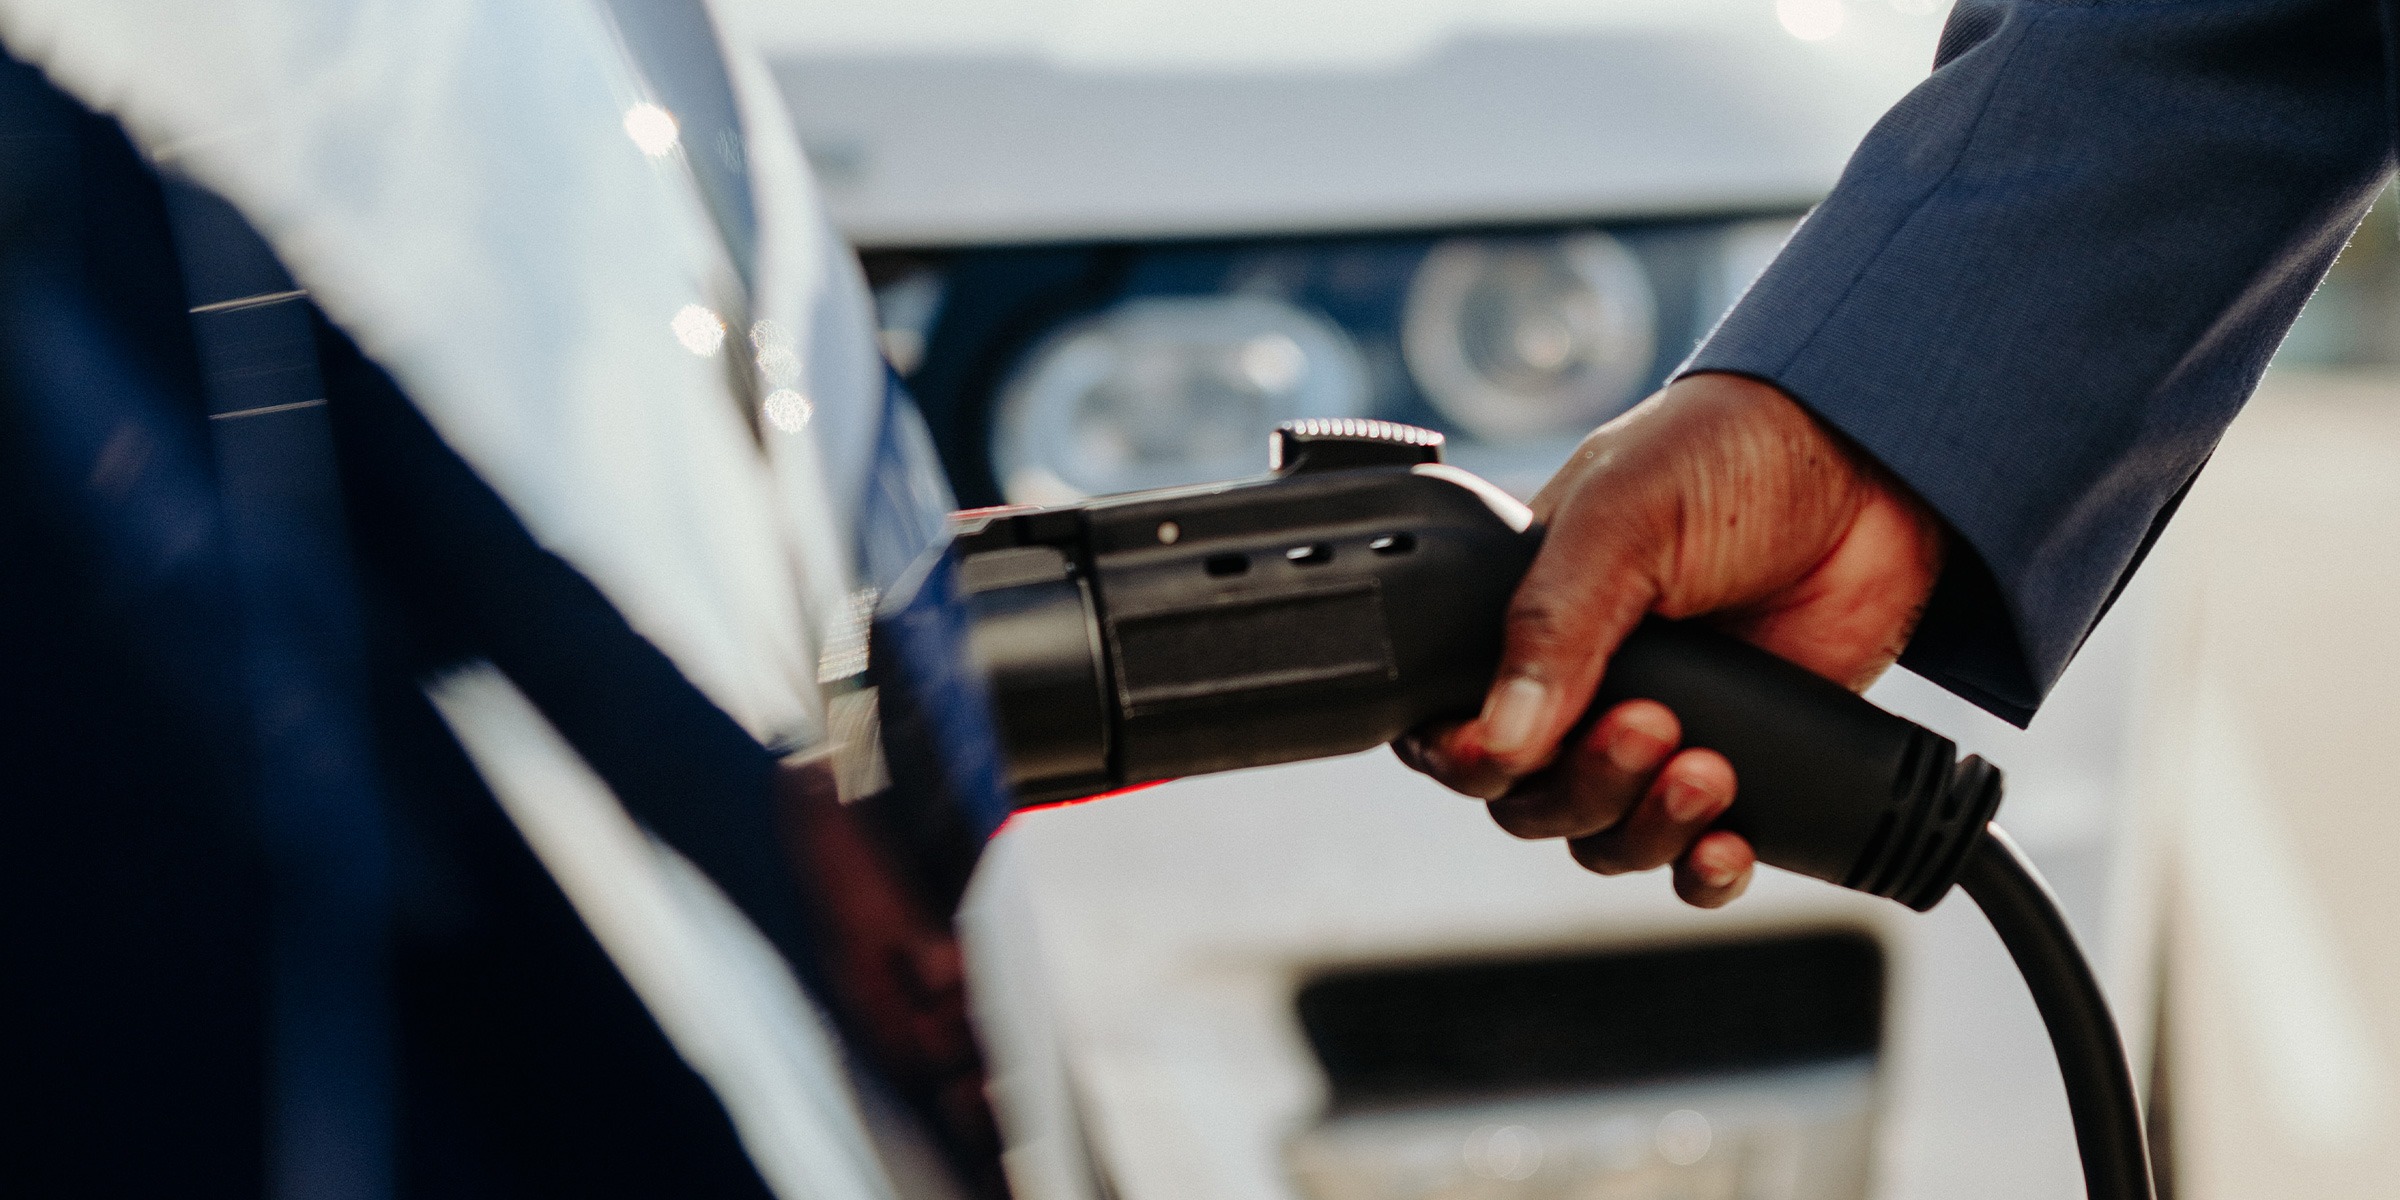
<point>2091,1057</point>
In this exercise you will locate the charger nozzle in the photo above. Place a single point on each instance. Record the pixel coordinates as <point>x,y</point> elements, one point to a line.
<point>1335,606</point>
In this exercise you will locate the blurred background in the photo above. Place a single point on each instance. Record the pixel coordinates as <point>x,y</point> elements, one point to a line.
<point>1115,241</point>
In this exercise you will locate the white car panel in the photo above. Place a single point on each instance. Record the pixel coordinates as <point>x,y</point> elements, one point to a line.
<point>1122,121</point>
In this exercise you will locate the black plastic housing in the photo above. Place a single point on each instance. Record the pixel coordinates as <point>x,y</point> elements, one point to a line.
<point>1330,610</point>
<point>1234,626</point>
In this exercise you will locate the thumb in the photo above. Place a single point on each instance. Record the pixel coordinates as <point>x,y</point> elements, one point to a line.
<point>1688,503</point>
<point>1587,588</point>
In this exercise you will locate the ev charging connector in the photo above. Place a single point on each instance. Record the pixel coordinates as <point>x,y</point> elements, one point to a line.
<point>1358,591</point>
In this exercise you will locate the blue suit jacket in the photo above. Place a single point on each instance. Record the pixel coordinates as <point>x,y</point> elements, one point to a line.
<point>2052,274</point>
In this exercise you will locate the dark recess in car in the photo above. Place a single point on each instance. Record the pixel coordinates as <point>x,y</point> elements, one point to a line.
<point>1415,1032</point>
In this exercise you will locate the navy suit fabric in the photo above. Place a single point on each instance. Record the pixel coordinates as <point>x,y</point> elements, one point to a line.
<point>2050,277</point>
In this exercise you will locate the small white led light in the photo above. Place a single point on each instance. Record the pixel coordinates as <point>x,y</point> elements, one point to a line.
<point>787,410</point>
<point>773,350</point>
<point>768,334</point>
<point>702,332</point>
<point>779,365</point>
<point>652,128</point>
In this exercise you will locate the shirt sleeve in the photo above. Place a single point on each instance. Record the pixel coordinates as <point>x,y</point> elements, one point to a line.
<point>2053,273</point>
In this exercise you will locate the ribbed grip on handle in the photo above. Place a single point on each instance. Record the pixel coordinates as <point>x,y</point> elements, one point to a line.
<point>1828,785</point>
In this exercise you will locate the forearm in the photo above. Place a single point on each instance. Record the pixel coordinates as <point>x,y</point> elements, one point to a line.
<point>2051,276</point>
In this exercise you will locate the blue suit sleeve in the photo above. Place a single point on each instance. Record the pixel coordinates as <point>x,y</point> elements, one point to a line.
<point>2052,274</point>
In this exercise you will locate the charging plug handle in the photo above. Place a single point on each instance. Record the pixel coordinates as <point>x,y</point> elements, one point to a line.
<point>1359,594</point>
<point>1328,611</point>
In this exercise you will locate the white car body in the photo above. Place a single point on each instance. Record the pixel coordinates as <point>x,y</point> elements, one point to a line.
<point>950,123</point>
<point>1136,960</point>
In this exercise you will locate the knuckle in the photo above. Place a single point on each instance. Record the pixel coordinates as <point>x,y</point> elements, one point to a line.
<point>1483,781</point>
<point>1601,855</point>
<point>1528,818</point>
<point>1486,785</point>
<point>1649,856</point>
<point>1709,770</point>
<point>1648,719</point>
<point>1601,799</point>
<point>1542,621</point>
<point>1648,845</point>
<point>1616,766</point>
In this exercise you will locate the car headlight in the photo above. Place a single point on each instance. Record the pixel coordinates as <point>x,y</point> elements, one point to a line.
<point>1052,372</point>
<point>1167,390</point>
<point>1530,336</point>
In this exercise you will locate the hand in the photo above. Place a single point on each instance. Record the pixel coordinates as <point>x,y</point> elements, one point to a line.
<point>894,970</point>
<point>1719,496</point>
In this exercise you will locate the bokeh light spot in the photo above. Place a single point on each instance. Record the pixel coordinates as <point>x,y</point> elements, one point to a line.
<point>787,410</point>
<point>702,332</point>
<point>1684,1137</point>
<point>1811,20</point>
<point>652,128</point>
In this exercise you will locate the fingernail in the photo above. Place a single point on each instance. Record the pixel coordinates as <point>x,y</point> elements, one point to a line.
<point>1714,874</point>
<point>1635,750</point>
<point>1687,804</point>
<point>1514,714</point>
